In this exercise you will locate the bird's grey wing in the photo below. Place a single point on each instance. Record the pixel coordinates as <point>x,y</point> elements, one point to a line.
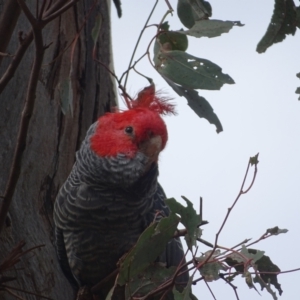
<point>65,216</point>
<point>62,255</point>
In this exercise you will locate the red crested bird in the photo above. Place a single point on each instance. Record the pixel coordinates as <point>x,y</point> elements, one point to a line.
<point>112,193</point>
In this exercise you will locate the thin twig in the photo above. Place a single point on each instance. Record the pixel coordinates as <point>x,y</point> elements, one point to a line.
<point>138,41</point>
<point>233,287</point>
<point>41,12</point>
<point>237,198</point>
<point>6,54</point>
<point>10,71</point>
<point>201,209</point>
<point>206,243</point>
<point>228,213</point>
<point>26,292</point>
<point>27,13</point>
<point>58,12</point>
<point>132,67</point>
<point>263,237</point>
<point>57,5</point>
<point>13,294</point>
<point>211,292</point>
<point>164,294</point>
<point>275,273</point>
<point>169,5</point>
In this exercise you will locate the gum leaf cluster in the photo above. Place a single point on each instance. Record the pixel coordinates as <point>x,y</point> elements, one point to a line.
<point>184,72</point>
<point>255,258</point>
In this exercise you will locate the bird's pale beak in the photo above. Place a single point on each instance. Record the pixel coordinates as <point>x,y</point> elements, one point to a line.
<point>151,148</point>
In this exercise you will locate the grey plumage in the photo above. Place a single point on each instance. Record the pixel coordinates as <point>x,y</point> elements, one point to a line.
<point>101,210</point>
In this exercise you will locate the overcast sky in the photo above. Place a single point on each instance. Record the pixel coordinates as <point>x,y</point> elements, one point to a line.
<point>260,113</point>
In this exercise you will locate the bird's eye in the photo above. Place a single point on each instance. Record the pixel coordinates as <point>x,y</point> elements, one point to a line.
<point>129,130</point>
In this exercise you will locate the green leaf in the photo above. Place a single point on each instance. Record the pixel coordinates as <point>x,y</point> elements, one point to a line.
<point>198,104</point>
<point>283,22</point>
<point>265,265</point>
<point>232,262</point>
<point>186,294</point>
<point>165,26</point>
<point>96,28</point>
<point>190,11</point>
<point>189,71</point>
<point>149,246</point>
<point>173,40</point>
<point>249,280</point>
<point>267,269</point>
<point>210,270</point>
<point>189,218</point>
<point>276,230</point>
<point>210,28</point>
<point>148,280</point>
<point>251,254</point>
<point>237,261</point>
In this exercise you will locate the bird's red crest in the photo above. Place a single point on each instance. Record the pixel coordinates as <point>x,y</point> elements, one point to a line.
<point>148,98</point>
<point>142,118</point>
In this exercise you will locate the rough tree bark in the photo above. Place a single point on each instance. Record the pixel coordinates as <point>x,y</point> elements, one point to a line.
<point>53,137</point>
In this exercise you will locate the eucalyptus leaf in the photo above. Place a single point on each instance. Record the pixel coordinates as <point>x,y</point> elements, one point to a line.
<point>210,28</point>
<point>283,22</point>
<point>189,71</point>
<point>151,243</point>
<point>198,104</point>
<point>148,280</point>
<point>252,255</point>
<point>276,230</point>
<point>174,39</point>
<point>186,294</point>
<point>190,11</point>
<point>268,273</point>
<point>189,218</point>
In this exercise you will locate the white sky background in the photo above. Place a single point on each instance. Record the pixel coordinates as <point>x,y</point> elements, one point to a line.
<point>260,113</point>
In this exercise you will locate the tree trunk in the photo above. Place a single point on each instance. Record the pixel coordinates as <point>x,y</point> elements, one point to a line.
<point>70,80</point>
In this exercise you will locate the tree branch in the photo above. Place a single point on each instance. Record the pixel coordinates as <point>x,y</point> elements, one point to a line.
<point>238,197</point>
<point>8,21</point>
<point>54,11</point>
<point>138,41</point>
<point>10,71</point>
<point>27,13</point>
<point>49,17</point>
<point>25,117</point>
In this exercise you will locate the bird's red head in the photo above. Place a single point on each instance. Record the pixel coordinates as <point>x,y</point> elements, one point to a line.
<point>140,128</point>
